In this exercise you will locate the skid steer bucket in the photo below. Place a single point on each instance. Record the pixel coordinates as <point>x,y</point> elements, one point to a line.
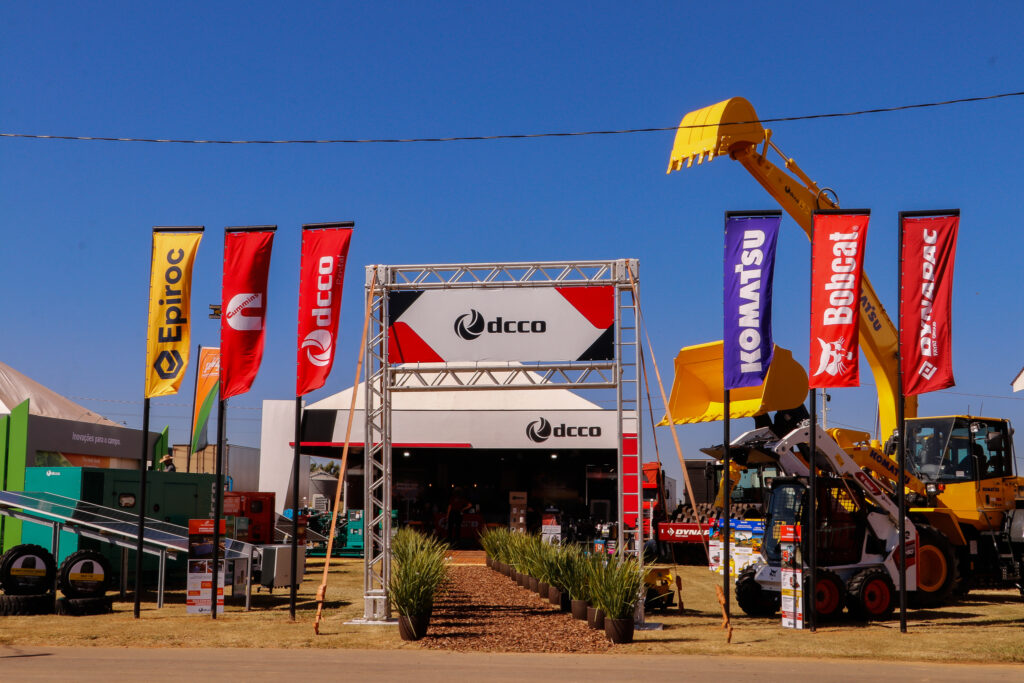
<point>712,131</point>
<point>697,391</point>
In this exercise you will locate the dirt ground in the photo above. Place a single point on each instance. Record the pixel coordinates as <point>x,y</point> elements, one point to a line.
<point>486,611</point>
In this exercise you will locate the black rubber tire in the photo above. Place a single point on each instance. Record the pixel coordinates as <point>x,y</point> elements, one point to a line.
<point>937,569</point>
<point>752,598</point>
<point>80,607</point>
<point>71,580</point>
<point>831,595</point>
<point>27,557</point>
<point>25,605</point>
<point>871,595</point>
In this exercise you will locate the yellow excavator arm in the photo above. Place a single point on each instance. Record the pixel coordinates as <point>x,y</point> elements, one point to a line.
<point>732,127</point>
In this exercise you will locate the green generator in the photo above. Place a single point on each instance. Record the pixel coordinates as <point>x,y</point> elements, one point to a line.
<point>174,497</point>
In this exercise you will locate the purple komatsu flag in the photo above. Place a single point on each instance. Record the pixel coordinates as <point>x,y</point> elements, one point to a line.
<point>749,265</point>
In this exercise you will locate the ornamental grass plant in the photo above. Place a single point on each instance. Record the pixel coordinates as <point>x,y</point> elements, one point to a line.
<point>418,572</point>
<point>616,586</point>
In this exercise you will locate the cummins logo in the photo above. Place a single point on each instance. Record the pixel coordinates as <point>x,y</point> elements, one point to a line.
<point>540,430</point>
<point>245,312</point>
<point>471,325</point>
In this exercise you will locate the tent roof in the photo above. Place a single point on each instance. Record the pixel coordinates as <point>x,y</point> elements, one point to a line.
<point>467,399</point>
<point>15,388</point>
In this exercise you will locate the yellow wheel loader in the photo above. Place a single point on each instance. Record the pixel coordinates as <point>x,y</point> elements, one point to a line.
<point>966,500</point>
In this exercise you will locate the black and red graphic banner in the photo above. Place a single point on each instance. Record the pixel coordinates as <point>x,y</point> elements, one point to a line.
<point>322,274</point>
<point>837,262</point>
<point>243,306</point>
<point>529,324</point>
<point>926,289</point>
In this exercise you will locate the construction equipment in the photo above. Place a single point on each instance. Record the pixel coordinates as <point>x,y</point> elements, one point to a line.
<point>857,531</point>
<point>966,501</point>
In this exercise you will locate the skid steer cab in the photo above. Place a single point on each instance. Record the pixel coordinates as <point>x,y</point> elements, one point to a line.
<point>856,553</point>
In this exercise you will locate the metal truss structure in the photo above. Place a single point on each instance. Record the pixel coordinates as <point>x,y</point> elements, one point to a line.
<point>383,378</point>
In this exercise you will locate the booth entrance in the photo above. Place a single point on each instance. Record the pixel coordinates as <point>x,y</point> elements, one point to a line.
<point>580,487</point>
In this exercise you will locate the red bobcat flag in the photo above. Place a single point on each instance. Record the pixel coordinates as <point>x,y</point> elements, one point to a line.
<point>322,272</point>
<point>243,308</point>
<point>926,295</point>
<point>837,260</point>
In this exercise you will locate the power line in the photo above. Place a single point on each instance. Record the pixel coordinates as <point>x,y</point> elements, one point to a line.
<point>521,136</point>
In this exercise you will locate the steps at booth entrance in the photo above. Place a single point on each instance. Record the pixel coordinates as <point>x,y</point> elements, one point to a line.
<point>468,557</point>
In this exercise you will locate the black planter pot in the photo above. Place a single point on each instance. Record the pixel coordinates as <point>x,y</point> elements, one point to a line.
<point>543,588</point>
<point>579,610</point>
<point>554,595</point>
<point>595,618</point>
<point>564,601</point>
<point>619,630</point>
<point>532,584</point>
<point>413,627</point>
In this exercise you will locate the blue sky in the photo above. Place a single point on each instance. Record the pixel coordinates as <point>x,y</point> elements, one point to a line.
<point>76,216</point>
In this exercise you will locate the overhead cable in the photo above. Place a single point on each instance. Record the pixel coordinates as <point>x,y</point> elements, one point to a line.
<point>521,136</point>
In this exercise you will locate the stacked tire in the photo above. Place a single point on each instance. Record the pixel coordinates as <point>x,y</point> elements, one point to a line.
<point>84,578</point>
<point>27,577</point>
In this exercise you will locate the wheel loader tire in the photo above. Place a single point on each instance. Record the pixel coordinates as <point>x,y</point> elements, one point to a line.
<point>830,595</point>
<point>871,595</point>
<point>937,569</point>
<point>25,605</point>
<point>84,574</point>
<point>27,570</point>
<point>752,598</point>
<point>80,607</point>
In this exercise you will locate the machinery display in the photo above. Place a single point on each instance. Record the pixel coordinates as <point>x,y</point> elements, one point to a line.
<point>965,500</point>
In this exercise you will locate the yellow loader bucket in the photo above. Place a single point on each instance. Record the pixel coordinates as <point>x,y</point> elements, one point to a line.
<point>697,391</point>
<point>712,131</point>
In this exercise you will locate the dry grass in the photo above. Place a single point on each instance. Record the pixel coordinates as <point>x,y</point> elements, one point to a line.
<point>984,628</point>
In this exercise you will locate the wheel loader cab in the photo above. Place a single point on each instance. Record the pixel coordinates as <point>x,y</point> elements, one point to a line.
<point>949,450</point>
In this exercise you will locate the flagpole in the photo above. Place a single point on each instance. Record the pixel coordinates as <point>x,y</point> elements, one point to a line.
<point>812,481</point>
<point>143,466</point>
<point>901,442</point>
<point>218,495</point>
<point>726,495</point>
<point>295,507</point>
<point>195,397</point>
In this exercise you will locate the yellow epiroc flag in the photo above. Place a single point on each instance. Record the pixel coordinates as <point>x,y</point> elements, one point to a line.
<point>170,289</point>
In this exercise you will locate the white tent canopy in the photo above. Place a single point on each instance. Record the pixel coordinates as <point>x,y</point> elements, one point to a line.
<point>474,418</point>
<point>15,388</point>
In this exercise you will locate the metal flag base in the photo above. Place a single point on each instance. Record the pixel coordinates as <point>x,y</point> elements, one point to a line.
<point>372,622</point>
<point>650,626</point>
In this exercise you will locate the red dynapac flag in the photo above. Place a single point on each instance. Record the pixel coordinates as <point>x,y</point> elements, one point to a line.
<point>837,261</point>
<point>243,309</point>
<point>926,295</point>
<point>322,273</point>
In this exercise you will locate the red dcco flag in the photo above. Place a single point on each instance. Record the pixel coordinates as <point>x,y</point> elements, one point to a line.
<point>243,306</point>
<point>926,294</point>
<point>837,261</point>
<point>322,274</point>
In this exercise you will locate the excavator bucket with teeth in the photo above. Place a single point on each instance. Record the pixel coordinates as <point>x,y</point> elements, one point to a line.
<point>712,131</point>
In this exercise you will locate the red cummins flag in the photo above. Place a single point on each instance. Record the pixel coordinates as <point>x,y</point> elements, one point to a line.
<point>837,261</point>
<point>322,273</point>
<point>243,308</point>
<point>926,293</point>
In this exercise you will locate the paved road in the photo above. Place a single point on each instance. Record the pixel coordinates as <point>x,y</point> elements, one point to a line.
<point>426,666</point>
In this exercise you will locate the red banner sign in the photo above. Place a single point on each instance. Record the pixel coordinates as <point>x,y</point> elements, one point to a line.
<point>322,273</point>
<point>243,307</point>
<point>926,288</point>
<point>837,260</point>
